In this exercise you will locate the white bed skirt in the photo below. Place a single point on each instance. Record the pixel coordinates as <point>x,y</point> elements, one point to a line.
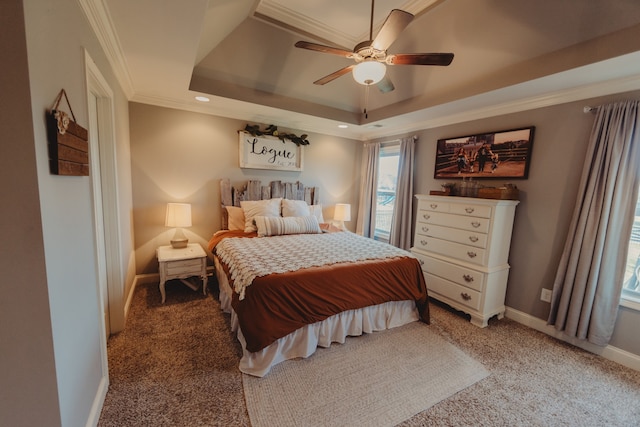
<point>304,341</point>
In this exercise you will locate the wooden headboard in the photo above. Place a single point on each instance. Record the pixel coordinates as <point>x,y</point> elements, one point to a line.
<point>254,190</point>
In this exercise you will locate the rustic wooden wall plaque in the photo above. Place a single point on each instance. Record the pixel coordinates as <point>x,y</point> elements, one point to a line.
<point>68,142</point>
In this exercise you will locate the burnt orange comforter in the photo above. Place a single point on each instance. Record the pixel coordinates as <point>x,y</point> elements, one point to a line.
<point>278,304</point>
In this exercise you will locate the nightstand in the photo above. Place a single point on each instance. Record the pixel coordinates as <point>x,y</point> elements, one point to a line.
<point>182,264</point>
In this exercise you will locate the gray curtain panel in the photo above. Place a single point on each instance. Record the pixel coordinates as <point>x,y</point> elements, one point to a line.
<point>366,222</point>
<point>588,283</point>
<point>400,235</point>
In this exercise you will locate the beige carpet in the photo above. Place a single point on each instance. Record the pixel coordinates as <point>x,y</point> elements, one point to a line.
<point>176,365</point>
<point>378,379</point>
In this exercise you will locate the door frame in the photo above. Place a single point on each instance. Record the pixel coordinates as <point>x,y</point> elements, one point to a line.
<point>106,206</point>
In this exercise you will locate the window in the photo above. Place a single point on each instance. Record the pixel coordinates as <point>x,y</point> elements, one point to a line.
<point>386,190</point>
<point>631,287</point>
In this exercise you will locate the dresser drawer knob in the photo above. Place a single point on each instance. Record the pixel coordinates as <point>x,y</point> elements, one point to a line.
<point>425,216</point>
<point>433,205</point>
<point>425,229</point>
<point>465,296</point>
<point>476,224</point>
<point>473,238</point>
<point>468,278</point>
<point>469,210</point>
<point>421,261</point>
<point>471,254</point>
<point>424,242</point>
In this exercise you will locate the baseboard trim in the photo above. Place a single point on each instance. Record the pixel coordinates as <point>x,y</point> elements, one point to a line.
<point>139,279</point>
<point>98,402</point>
<point>609,352</point>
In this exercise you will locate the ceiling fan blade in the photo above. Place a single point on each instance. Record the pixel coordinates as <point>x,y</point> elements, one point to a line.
<point>420,59</point>
<point>334,75</point>
<point>385,85</point>
<point>324,49</point>
<point>391,29</point>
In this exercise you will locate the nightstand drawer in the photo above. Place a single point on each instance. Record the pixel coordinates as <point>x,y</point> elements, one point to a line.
<point>184,266</point>
<point>457,293</point>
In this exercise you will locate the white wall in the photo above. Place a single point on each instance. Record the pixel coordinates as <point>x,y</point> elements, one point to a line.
<point>57,36</point>
<point>27,365</point>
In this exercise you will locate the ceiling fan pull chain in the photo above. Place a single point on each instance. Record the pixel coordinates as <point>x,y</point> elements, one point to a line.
<point>366,100</point>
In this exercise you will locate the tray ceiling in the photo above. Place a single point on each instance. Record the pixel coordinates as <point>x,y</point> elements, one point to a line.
<point>241,54</point>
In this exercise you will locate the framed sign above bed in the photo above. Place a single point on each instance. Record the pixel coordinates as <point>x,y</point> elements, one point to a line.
<point>268,152</point>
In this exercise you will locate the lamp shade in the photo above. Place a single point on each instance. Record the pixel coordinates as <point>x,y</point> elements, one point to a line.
<point>178,215</point>
<point>342,212</point>
<point>369,72</point>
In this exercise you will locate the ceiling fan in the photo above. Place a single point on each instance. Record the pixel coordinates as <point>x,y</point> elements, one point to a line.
<point>371,55</point>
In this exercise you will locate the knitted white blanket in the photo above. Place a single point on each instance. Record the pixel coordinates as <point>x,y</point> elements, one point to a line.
<point>248,258</point>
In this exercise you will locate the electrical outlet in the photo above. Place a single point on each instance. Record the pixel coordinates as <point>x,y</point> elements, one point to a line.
<point>545,295</point>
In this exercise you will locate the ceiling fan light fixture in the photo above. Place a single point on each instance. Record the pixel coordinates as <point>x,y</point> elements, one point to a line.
<point>369,72</point>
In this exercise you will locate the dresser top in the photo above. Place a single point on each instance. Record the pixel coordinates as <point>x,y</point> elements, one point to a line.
<point>475,200</point>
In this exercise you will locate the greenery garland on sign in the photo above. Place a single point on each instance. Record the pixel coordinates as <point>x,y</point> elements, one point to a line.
<point>272,130</point>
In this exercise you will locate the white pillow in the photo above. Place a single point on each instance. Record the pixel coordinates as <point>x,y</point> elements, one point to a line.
<point>235,218</point>
<point>254,208</point>
<point>295,208</point>
<point>278,226</point>
<point>316,210</point>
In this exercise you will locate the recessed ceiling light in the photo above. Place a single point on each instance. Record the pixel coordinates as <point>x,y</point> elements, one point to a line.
<point>202,98</point>
<point>343,126</point>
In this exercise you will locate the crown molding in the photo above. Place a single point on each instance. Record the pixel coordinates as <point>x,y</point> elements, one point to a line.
<point>485,105</point>
<point>288,18</point>
<point>100,21</point>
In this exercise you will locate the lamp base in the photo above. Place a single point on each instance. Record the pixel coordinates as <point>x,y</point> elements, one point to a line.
<point>339,224</point>
<point>179,243</point>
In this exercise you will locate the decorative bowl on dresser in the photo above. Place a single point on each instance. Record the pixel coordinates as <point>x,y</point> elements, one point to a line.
<point>463,246</point>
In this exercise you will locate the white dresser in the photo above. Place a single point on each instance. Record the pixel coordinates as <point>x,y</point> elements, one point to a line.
<point>463,246</point>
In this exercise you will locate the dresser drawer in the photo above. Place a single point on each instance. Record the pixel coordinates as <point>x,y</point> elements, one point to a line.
<point>455,250</point>
<point>478,240</point>
<point>457,293</point>
<point>463,222</point>
<point>471,210</point>
<point>467,277</point>
<point>434,206</point>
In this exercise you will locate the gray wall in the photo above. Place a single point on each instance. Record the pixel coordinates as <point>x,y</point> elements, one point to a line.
<point>180,156</point>
<point>547,199</point>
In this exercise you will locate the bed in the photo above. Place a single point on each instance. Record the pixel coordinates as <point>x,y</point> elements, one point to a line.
<point>292,282</point>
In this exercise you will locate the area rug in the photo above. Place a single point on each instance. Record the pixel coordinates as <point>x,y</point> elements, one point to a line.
<point>378,379</point>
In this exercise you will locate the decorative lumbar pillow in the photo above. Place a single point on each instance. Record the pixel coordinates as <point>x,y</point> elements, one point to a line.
<point>235,218</point>
<point>255,208</point>
<point>295,208</point>
<point>278,226</point>
<point>316,210</point>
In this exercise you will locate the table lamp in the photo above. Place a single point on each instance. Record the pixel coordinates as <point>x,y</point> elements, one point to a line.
<point>341,214</point>
<point>178,216</point>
